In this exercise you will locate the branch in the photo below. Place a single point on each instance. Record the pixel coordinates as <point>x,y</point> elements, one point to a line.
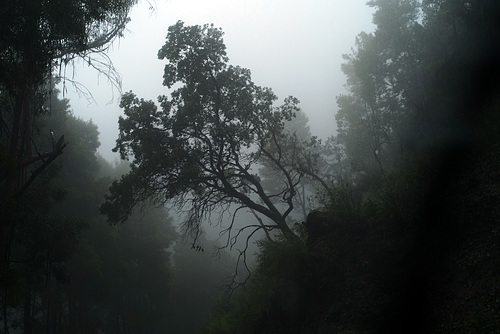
<point>270,210</point>
<point>316,177</point>
<point>261,224</point>
<point>230,241</point>
<point>37,171</point>
<point>217,88</point>
<point>290,184</point>
<point>28,161</point>
<point>242,258</point>
<point>98,43</point>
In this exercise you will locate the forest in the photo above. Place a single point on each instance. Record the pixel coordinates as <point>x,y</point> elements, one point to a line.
<point>391,225</point>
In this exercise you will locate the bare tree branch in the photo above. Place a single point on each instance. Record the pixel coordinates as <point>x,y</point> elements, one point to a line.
<point>51,157</point>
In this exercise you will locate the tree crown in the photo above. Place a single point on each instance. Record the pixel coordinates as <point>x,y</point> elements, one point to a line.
<point>204,144</point>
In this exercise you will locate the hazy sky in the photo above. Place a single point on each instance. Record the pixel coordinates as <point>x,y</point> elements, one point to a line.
<point>295,47</point>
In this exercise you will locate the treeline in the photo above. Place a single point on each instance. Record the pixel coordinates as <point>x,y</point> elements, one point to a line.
<point>67,270</point>
<point>408,240</point>
<point>63,267</point>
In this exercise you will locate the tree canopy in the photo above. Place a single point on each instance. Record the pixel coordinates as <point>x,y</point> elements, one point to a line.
<point>203,146</point>
<point>38,38</point>
<point>407,234</point>
<point>67,271</point>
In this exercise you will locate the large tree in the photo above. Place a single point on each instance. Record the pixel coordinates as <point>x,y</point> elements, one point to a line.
<point>384,81</point>
<point>38,37</point>
<point>414,83</point>
<point>204,146</point>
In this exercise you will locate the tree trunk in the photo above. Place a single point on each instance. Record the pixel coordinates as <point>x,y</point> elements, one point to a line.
<point>27,319</point>
<point>5,318</point>
<point>12,174</point>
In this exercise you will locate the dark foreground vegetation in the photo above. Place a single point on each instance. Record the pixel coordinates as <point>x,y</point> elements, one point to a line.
<point>431,266</point>
<point>409,240</point>
<point>390,226</point>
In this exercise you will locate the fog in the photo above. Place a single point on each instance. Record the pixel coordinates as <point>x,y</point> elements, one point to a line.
<point>294,47</point>
<point>232,217</point>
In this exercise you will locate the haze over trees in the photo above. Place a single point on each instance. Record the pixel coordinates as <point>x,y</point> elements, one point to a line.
<point>216,130</point>
<point>388,226</point>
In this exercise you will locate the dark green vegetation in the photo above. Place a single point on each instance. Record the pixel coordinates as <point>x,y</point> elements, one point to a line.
<point>67,270</point>
<point>409,239</point>
<point>406,239</point>
<point>36,39</point>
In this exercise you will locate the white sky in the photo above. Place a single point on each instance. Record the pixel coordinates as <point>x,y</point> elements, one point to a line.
<point>293,46</point>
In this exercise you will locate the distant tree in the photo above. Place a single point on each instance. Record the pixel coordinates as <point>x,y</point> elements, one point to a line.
<point>420,109</point>
<point>413,83</point>
<point>203,148</point>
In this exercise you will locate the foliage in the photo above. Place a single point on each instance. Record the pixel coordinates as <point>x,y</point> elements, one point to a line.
<point>409,238</point>
<point>123,273</point>
<point>408,130</point>
<point>203,147</point>
<point>408,233</point>
<point>270,300</point>
<point>68,271</point>
<point>37,38</point>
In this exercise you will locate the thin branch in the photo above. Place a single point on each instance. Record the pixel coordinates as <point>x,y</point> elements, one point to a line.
<point>242,258</point>
<point>268,236</point>
<point>229,241</point>
<point>37,171</point>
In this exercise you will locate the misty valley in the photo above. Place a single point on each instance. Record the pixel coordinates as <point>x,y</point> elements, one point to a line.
<point>224,212</point>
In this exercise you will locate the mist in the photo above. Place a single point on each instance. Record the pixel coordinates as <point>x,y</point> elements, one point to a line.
<point>237,166</point>
<point>290,46</point>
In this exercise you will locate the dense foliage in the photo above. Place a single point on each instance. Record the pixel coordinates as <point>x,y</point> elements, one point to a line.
<point>408,241</point>
<point>67,270</point>
<point>38,38</point>
<point>203,147</point>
